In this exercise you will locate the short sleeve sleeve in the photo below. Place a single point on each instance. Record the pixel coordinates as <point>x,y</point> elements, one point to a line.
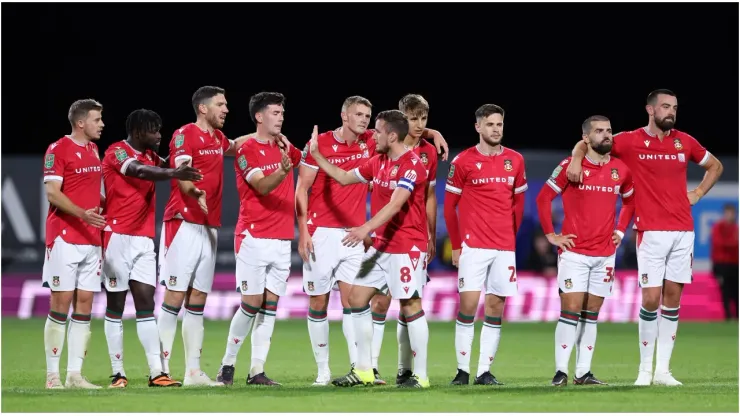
<point>628,185</point>
<point>414,174</point>
<point>698,153</point>
<point>54,163</point>
<point>520,180</point>
<point>295,155</point>
<point>366,172</point>
<point>181,147</point>
<point>246,162</point>
<point>119,158</point>
<point>307,160</point>
<point>620,144</point>
<point>558,179</point>
<point>432,168</point>
<point>455,177</point>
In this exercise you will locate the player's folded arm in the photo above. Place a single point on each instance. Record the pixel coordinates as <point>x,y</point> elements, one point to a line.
<point>264,184</point>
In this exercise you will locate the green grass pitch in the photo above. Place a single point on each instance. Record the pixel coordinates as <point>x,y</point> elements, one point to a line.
<point>705,359</point>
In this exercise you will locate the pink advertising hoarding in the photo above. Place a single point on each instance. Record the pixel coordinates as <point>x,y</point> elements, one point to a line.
<point>24,297</point>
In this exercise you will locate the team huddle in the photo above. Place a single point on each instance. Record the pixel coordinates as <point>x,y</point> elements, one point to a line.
<point>101,228</point>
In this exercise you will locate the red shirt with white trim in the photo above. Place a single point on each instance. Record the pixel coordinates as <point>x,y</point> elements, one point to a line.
<point>78,167</point>
<point>428,155</point>
<point>206,151</point>
<point>329,203</point>
<point>590,207</point>
<point>487,185</point>
<point>659,170</point>
<point>130,202</point>
<point>265,216</point>
<point>408,228</point>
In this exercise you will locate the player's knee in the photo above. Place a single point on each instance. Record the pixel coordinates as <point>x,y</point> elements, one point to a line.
<point>672,294</point>
<point>651,298</point>
<point>116,301</point>
<point>83,302</point>
<point>381,303</point>
<point>410,307</point>
<point>319,303</point>
<point>173,298</point>
<point>196,297</point>
<point>143,295</point>
<point>593,303</point>
<point>60,301</point>
<point>495,305</point>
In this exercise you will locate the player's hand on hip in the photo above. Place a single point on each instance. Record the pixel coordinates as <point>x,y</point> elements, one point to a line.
<point>693,197</point>
<point>564,242</point>
<point>367,242</point>
<point>313,144</point>
<point>201,194</point>
<point>92,217</point>
<point>574,172</point>
<point>354,236</point>
<point>187,173</point>
<point>305,247</point>
<point>616,239</point>
<point>456,257</point>
<point>285,163</point>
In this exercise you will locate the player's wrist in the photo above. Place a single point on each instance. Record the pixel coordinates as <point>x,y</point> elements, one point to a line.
<point>699,192</point>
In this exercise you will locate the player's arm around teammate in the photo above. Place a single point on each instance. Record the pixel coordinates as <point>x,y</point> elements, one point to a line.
<point>72,181</point>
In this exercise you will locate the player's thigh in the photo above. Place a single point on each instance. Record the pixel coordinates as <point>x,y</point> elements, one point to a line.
<point>652,250</point>
<point>573,272</point>
<point>372,270</point>
<point>680,260</point>
<point>601,279</point>
<point>61,262</point>
<point>501,279</point>
<point>251,264</point>
<point>405,274</point>
<point>116,262</point>
<point>144,269</point>
<point>179,253</point>
<point>89,270</point>
<point>317,271</point>
<point>206,267</point>
<point>279,270</point>
<point>473,268</point>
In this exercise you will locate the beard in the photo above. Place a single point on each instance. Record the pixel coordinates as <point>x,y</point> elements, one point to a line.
<point>602,148</point>
<point>491,141</point>
<point>665,124</point>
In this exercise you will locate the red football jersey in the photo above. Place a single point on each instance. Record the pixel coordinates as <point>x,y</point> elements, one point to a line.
<point>265,216</point>
<point>408,228</point>
<point>428,155</point>
<point>206,151</point>
<point>78,167</point>
<point>659,171</point>
<point>590,207</point>
<point>129,202</point>
<point>329,203</point>
<point>486,185</point>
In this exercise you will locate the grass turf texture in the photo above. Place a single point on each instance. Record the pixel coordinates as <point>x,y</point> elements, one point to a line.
<point>705,359</point>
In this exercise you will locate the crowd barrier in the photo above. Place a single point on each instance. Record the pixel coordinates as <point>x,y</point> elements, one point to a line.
<point>24,297</point>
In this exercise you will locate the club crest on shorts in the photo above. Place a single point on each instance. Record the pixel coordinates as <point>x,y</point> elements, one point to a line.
<point>615,174</point>
<point>112,281</point>
<point>245,286</point>
<point>568,284</point>
<point>461,283</point>
<point>394,171</point>
<point>424,158</point>
<point>55,281</point>
<point>310,286</point>
<point>644,278</point>
<point>508,166</point>
<point>173,280</point>
<point>677,144</point>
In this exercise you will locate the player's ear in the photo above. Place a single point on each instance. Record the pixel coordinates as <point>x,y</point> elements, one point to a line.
<point>259,117</point>
<point>344,117</point>
<point>477,127</point>
<point>650,110</point>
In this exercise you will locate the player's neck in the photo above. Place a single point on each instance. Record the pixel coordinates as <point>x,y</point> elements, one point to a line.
<point>263,135</point>
<point>489,150</point>
<point>597,158</point>
<point>204,125</point>
<point>397,149</point>
<point>656,131</point>
<point>347,135</point>
<point>79,137</point>
<point>411,141</point>
<point>135,144</point>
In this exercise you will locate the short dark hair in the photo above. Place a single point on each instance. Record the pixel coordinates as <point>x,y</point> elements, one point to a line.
<point>204,94</point>
<point>142,121</point>
<point>729,207</point>
<point>652,98</point>
<point>395,121</point>
<point>261,101</point>
<point>79,109</point>
<point>413,104</point>
<point>586,126</point>
<point>355,99</point>
<point>486,110</point>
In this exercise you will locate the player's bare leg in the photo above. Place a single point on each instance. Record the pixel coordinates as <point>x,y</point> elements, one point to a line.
<point>586,340</point>
<point>565,334</point>
<point>362,373</point>
<point>113,327</point>
<point>667,329</point>
<point>78,336</point>
<point>241,324</point>
<point>489,339</point>
<point>379,305</point>
<point>464,334</point>
<point>418,333</point>
<point>264,325</point>
<point>146,329</point>
<point>54,334</point>
<point>648,331</point>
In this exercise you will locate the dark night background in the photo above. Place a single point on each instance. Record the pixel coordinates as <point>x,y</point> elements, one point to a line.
<point>549,65</point>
